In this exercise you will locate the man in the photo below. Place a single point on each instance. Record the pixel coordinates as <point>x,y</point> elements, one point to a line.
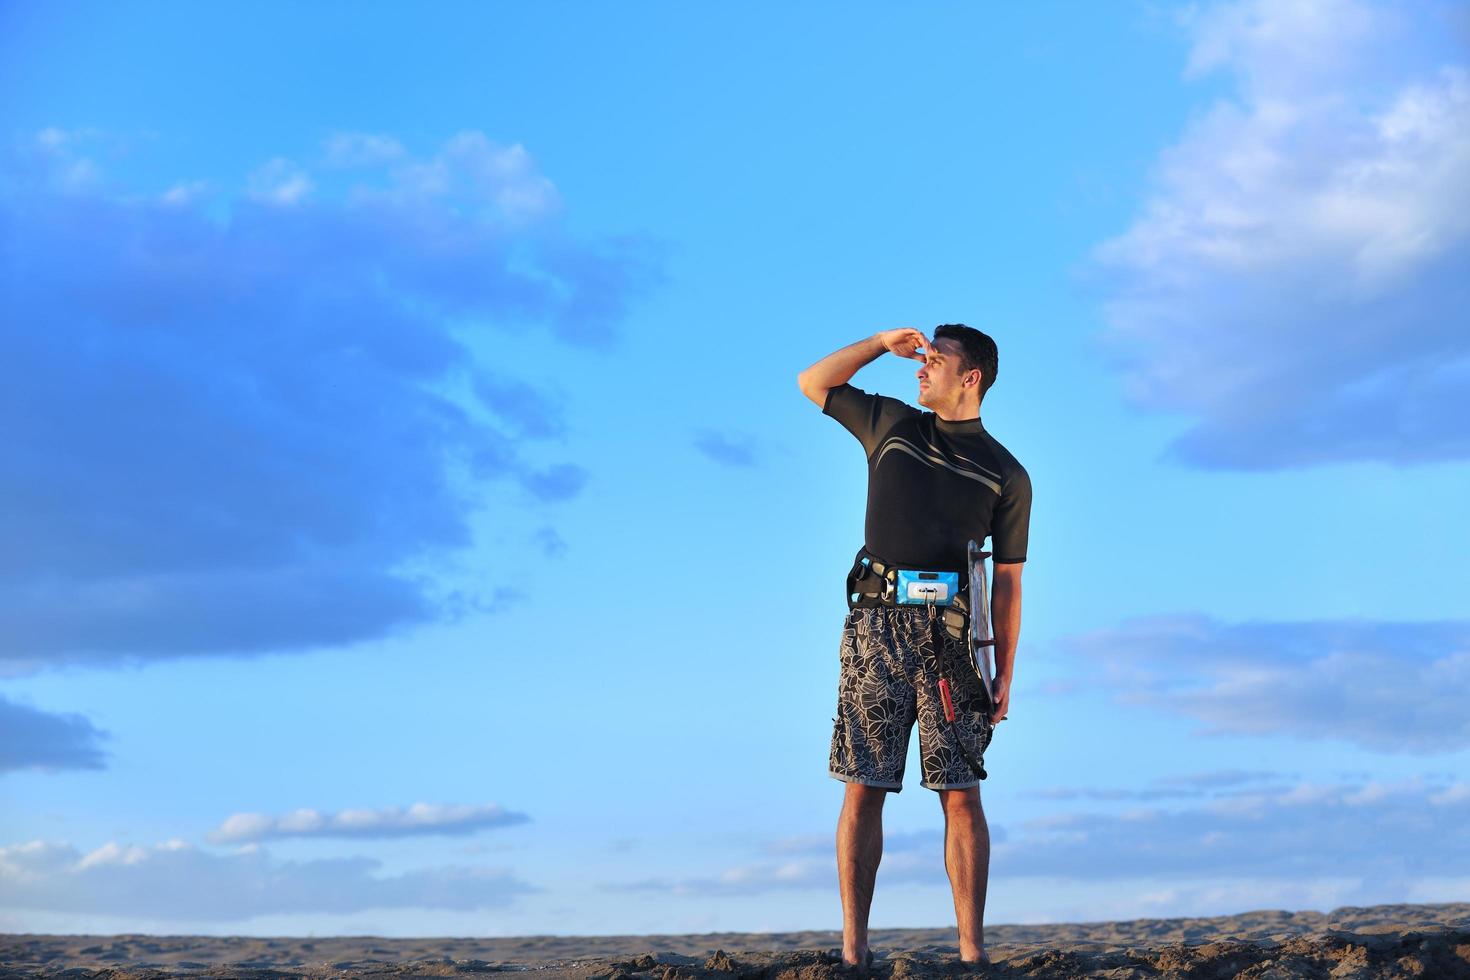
<point>936,480</point>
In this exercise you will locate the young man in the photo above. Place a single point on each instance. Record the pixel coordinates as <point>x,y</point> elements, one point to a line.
<point>936,480</point>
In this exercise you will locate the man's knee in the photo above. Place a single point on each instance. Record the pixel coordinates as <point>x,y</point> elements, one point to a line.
<point>961,802</point>
<point>863,797</point>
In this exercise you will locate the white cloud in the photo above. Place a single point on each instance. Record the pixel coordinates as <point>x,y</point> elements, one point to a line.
<point>1393,687</point>
<point>1285,45</point>
<point>418,820</point>
<point>799,863</point>
<point>1228,897</point>
<point>487,180</point>
<point>1295,281</point>
<point>361,149</point>
<point>53,138</point>
<point>1452,796</point>
<point>279,181</point>
<point>185,193</point>
<point>178,881</point>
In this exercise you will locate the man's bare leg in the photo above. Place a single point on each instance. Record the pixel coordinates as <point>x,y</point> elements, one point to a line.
<point>859,849</point>
<point>967,859</point>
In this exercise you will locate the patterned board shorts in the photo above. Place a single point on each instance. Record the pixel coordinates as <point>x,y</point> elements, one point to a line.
<point>885,684</point>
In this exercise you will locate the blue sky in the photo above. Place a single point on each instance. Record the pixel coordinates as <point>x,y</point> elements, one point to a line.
<point>413,525</point>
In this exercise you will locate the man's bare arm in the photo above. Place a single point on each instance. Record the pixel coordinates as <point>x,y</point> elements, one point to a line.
<point>838,367</point>
<point>1005,619</point>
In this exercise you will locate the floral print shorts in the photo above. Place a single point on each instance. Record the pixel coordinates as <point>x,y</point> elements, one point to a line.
<point>890,659</point>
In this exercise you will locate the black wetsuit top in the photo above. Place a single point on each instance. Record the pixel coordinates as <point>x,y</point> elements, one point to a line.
<point>933,485</point>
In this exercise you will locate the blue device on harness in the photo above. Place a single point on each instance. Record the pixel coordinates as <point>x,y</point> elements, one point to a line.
<point>873,583</point>
<point>916,588</point>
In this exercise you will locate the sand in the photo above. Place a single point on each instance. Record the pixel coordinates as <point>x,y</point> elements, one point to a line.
<point>1427,941</point>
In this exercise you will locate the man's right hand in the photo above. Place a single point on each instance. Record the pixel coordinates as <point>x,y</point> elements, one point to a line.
<point>905,342</point>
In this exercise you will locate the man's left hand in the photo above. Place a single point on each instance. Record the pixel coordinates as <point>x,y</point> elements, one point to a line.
<point>1000,688</point>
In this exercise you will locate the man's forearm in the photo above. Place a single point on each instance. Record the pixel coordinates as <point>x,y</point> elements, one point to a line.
<point>1005,620</point>
<point>838,367</point>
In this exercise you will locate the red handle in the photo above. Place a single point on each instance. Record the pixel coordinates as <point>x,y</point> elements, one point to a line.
<point>944,694</point>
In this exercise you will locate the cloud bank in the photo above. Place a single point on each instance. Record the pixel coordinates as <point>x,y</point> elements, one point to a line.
<point>1388,833</point>
<point>1190,785</point>
<point>421,819</point>
<point>235,417</point>
<point>1295,284</point>
<point>1391,687</point>
<point>1396,831</point>
<point>178,881</point>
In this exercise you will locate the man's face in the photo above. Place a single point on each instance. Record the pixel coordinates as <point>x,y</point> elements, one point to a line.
<point>941,379</point>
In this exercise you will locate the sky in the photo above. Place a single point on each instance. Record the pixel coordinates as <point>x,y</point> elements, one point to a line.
<point>412,524</point>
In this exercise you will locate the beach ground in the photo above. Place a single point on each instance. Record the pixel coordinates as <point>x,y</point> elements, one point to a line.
<point>1422,941</point>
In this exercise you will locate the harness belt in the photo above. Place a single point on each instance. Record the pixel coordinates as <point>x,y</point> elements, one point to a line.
<point>875,583</point>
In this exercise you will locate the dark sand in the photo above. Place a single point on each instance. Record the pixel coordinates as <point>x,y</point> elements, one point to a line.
<point>1428,941</point>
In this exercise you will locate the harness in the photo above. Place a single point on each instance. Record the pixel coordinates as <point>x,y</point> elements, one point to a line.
<point>947,598</point>
<point>876,583</point>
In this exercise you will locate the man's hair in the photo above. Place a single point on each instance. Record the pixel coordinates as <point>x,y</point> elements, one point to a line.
<point>977,351</point>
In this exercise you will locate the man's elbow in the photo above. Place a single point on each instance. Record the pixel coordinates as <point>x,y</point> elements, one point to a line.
<point>816,393</point>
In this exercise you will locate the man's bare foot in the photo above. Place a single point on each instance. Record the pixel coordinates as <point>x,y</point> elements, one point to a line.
<point>862,961</point>
<point>983,960</point>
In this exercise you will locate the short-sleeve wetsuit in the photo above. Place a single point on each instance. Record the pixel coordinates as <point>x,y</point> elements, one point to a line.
<point>933,485</point>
